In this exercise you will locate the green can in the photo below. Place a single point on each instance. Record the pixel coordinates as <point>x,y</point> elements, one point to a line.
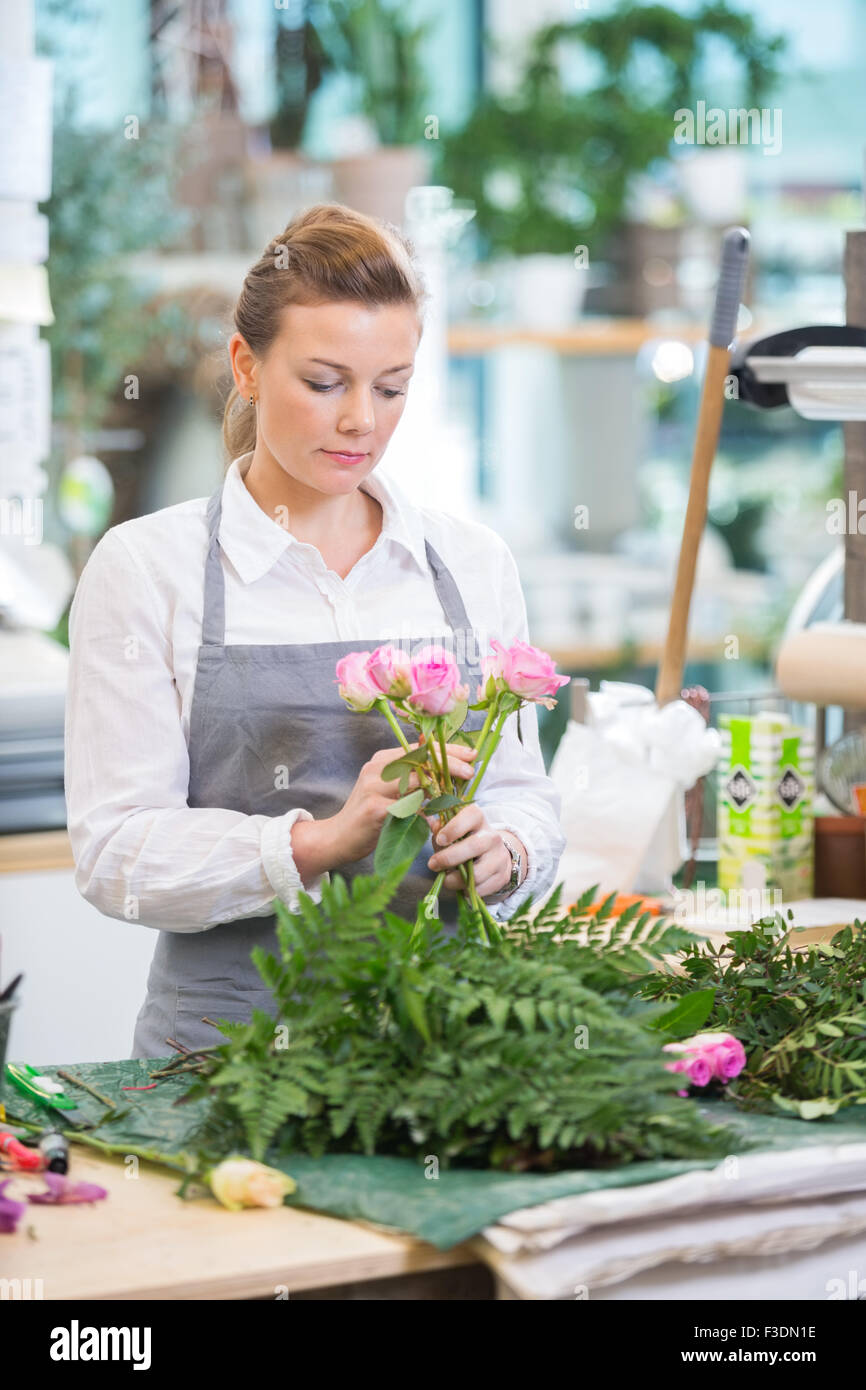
<point>766,801</point>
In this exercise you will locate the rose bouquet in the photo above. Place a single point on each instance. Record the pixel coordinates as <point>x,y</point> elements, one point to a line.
<point>426,692</point>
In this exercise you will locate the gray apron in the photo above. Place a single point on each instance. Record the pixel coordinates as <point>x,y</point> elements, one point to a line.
<point>257,709</point>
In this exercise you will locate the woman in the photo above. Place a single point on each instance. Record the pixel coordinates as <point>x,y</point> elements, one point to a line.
<point>211,764</point>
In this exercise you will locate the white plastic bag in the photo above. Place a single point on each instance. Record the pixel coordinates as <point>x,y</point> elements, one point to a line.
<point>622,777</point>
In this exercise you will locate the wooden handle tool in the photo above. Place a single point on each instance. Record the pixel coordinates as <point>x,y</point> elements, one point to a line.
<point>735,255</point>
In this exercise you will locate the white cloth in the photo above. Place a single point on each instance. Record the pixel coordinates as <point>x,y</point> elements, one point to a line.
<point>581,1266</point>
<point>753,1204</point>
<point>141,853</point>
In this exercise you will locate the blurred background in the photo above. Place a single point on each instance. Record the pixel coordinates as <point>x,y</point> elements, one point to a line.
<point>568,229</point>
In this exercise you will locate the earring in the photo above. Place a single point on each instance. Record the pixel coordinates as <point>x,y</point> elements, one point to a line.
<point>252,399</point>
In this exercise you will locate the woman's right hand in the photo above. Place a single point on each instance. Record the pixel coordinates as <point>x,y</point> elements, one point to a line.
<point>357,826</point>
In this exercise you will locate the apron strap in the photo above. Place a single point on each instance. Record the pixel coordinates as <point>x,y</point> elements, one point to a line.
<point>213,622</point>
<point>213,627</point>
<point>451,599</point>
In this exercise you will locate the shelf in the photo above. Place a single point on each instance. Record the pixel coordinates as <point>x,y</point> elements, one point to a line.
<point>588,657</point>
<point>591,337</point>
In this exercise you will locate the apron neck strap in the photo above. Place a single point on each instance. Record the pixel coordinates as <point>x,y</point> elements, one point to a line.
<point>213,622</point>
<point>214,611</point>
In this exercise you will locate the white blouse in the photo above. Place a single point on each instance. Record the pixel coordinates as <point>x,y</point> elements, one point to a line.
<point>141,853</point>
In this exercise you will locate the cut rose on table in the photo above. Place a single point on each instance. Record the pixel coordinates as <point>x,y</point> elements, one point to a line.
<point>707,1057</point>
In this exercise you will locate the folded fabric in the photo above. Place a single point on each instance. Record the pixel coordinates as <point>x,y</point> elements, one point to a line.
<point>614,1254</point>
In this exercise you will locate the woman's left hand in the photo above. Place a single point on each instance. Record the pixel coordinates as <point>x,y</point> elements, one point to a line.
<point>468,836</point>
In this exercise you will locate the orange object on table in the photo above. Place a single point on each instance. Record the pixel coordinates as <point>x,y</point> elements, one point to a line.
<point>624,900</point>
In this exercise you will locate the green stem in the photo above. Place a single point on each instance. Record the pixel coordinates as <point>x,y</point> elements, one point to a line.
<point>386,710</point>
<point>181,1160</point>
<point>467,871</point>
<point>467,868</point>
<point>476,903</point>
<point>485,728</point>
<point>487,916</point>
<point>496,735</point>
<point>446,771</point>
<point>433,892</point>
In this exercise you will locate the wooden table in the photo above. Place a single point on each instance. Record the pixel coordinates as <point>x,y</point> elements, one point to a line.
<point>33,851</point>
<point>144,1242</point>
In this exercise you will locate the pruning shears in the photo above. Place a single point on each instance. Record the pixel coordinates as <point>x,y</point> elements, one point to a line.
<point>46,1091</point>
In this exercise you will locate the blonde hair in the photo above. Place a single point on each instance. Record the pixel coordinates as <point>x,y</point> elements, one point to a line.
<point>326,254</point>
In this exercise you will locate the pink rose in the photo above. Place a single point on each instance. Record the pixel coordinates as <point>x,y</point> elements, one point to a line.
<point>388,669</point>
<point>525,670</point>
<point>435,677</point>
<point>724,1052</point>
<point>355,684</point>
<point>679,1064</point>
<point>493,674</point>
<point>699,1071</point>
<point>706,1056</point>
<point>727,1061</point>
<point>695,1066</point>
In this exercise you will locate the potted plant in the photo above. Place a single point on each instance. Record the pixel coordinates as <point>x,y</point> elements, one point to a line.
<point>549,169</point>
<point>281,177</point>
<point>380,47</point>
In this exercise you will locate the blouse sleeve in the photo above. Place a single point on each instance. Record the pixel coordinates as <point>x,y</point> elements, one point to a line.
<point>141,853</point>
<point>516,793</point>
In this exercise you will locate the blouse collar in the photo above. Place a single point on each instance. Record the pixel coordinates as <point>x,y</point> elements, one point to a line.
<point>254,542</point>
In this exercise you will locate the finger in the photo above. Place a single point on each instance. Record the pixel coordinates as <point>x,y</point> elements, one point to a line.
<point>393,783</point>
<point>493,881</point>
<point>491,873</point>
<point>462,754</point>
<point>466,748</point>
<point>391,787</point>
<point>470,847</point>
<point>389,755</point>
<point>462,771</point>
<point>463,748</point>
<point>462,758</point>
<point>484,885</point>
<point>468,818</point>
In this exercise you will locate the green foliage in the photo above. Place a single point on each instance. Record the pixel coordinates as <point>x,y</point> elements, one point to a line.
<point>377,42</point>
<point>532,1054</point>
<point>567,156</point>
<point>300,63</point>
<point>403,835</point>
<point>111,197</point>
<point>800,1013</point>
